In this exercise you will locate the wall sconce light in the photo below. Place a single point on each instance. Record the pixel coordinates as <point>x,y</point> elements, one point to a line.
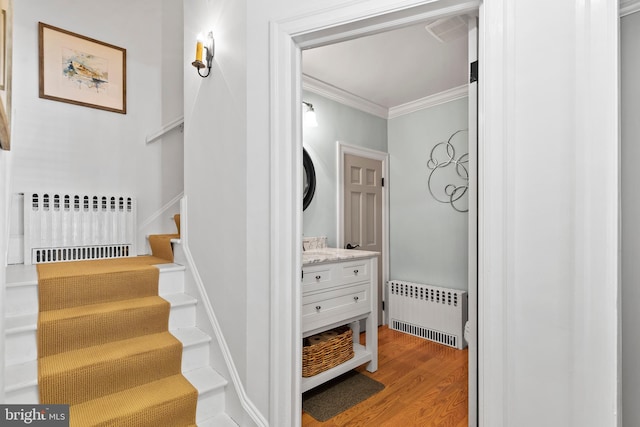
<point>209,46</point>
<point>309,115</point>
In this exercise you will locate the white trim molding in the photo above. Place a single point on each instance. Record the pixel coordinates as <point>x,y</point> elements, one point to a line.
<point>160,212</point>
<point>429,101</point>
<point>627,7</point>
<point>343,97</point>
<point>334,93</point>
<point>203,298</point>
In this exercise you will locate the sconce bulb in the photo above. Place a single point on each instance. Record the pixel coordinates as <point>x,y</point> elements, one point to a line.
<point>309,117</point>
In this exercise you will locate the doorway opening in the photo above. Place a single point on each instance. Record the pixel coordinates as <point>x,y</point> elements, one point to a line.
<point>419,101</point>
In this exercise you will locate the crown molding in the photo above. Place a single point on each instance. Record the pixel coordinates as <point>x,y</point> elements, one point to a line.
<point>343,97</point>
<point>627,7</point>
<point>429,101</point>
<point>346,98</point>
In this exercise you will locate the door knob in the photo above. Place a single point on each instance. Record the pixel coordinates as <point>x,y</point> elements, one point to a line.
<point>350,246</point>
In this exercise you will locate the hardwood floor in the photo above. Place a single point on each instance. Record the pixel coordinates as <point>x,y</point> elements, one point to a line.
<point>425,385</point>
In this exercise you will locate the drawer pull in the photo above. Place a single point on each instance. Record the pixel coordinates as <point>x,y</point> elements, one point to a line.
<point>356,299</point>
<point>318,308</point>
<point>355,272</point>
<point>318,277</point>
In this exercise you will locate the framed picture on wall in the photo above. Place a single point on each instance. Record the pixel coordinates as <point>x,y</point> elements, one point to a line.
<point>82,71</point>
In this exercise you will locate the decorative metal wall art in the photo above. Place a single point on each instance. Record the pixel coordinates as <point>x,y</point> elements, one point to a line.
<point>448,180</point>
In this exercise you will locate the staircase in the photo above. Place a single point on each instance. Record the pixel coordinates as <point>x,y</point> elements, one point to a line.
<point>21,370</point>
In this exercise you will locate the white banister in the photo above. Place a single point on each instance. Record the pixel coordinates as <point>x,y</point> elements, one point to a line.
<point>179,122</point>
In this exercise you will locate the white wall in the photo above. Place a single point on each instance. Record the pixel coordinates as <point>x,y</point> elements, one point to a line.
<point>5,184</point>
<point>630,107</point>
<point>336,122</point>
<point>5,165</point>
<point>216,186</point>
<point>547,247</point>
<point>428,239</point>
<point>64,147</point>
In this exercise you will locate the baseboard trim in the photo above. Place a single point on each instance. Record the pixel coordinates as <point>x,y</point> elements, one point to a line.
<point>244,399</point>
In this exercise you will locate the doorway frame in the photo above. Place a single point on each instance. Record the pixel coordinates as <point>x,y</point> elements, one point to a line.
<point>596,198</point>
<point>288,37</point>
<point>343,148</point>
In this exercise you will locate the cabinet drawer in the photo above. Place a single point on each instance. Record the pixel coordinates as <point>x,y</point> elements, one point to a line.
<point>318,276</point>
<point>335,305</point>
<point>321,277</point>
<point>353,271</point>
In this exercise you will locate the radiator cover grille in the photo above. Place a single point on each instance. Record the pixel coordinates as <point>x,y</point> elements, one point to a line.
<point>74,227</point>
<point>430,312</point>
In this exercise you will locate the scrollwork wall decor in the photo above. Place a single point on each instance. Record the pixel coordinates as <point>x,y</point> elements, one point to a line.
<point>448,180</point>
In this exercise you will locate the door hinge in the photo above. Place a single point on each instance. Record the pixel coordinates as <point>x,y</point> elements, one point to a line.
<point>473,72</point>
<point>382,305</point>
<point>383,181</point>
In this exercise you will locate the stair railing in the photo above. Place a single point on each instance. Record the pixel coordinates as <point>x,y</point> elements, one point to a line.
<point>177,123</point>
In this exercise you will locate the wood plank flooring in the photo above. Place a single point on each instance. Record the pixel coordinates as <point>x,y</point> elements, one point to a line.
<point>425,385</point>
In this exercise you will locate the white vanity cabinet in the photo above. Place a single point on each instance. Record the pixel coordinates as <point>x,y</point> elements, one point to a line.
<point>340,288</point>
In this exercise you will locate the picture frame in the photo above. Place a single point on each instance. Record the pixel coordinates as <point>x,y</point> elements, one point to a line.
<point>80,70</point>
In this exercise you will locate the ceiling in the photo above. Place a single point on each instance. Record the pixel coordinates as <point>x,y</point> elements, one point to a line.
<point>395,67</point>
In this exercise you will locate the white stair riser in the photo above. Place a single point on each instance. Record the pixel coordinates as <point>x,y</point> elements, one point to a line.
<point>21,344</point>
<point>27,395</point>
<point>21,300</point>
<point>20,347</point>
<point>210,404</point>
<point>195,356</point>
<point>171,282</point>
<point>183,316</point>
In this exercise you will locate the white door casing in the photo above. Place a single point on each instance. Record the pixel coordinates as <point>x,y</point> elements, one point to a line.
<point>473,223</point>
<point>594,400</point>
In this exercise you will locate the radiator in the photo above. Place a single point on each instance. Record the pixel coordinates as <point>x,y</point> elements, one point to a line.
<point>430,312</point>
<point>73,227</point>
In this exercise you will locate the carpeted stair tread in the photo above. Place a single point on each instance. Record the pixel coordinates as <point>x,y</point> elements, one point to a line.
<point>70,284</point>
<point>161,246</point>
<point>89,325</point>
<point>104,346</point>
<point>170,401</point>
<point>79,375</point>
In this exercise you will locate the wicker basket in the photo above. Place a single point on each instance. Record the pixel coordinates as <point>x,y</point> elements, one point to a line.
<point>325,350</point>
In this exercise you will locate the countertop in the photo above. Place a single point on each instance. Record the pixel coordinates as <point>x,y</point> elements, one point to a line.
<point>316,256</point>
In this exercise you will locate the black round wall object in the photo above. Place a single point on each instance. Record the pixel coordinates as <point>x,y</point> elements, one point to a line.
<point>309,177</point>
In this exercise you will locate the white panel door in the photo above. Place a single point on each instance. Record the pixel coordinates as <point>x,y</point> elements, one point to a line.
<point>363,209</point>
